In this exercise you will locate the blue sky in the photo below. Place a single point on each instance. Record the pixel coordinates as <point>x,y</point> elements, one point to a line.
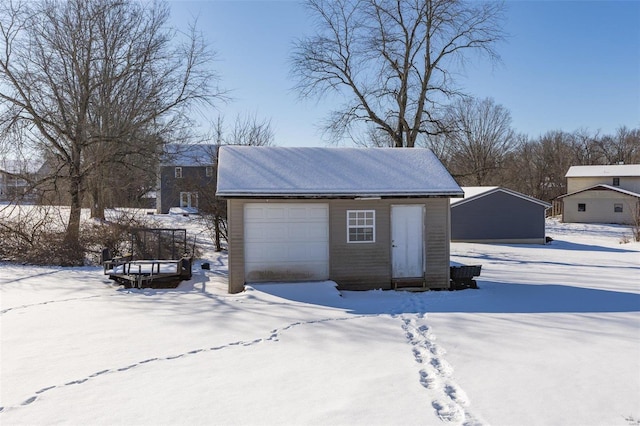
<point>566,65</point>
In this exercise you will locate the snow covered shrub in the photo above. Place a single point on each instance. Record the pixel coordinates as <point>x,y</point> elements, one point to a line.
<point>34,235</point>
<point>113,234</point>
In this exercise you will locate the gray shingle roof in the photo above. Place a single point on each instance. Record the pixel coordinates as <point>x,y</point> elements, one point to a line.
<point>248,171</point>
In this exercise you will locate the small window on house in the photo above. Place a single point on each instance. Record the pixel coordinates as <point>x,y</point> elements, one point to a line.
<point>616,181</point>
<point>617,208</point>
<point>209,171</point>
<point>178,172</point>
<point>361,226</point>
<point>582,207</point>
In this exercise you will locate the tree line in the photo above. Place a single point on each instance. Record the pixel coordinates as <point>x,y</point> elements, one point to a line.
<point>96,88</point>
<point>481,148</point>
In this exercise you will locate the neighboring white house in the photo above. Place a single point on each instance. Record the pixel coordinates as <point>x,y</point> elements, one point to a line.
<point>602,194</point>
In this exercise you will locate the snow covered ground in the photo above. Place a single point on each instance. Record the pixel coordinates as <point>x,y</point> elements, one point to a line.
<point>552,337</point>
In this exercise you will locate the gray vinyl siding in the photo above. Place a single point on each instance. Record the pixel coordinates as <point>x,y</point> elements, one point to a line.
<point>194,179</point>
<point>235,235</point>
<point>437,238</point>
<point>357,266</point>
<point>498,217</point>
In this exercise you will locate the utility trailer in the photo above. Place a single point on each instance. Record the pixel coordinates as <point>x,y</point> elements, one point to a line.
<point>158,258</point>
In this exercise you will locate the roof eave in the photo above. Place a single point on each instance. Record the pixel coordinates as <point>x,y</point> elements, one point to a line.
<point>311,195</point>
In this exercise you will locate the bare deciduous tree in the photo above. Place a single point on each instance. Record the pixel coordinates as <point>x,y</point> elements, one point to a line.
<point>392,61</point>
<point>246,130</point>
<point>89,83</point>
<point>623,147</point>
<point>478,142</point>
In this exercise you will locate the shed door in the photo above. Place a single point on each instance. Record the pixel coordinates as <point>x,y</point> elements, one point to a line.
<point>286,241</point>
<point>407,241</point>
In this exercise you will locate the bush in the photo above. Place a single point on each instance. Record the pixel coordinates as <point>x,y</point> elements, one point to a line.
<point>113,234</point>
<point>36,235</point>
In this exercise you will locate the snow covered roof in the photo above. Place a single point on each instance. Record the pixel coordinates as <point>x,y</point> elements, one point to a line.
<point>475,192</point>
<point>246,171</point>
<point>601,187</point>
<point>189,155</point>
<point>599,171</point>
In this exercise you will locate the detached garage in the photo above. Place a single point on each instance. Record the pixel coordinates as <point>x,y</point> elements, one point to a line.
<point>491,214</point>
<point>364,218</point>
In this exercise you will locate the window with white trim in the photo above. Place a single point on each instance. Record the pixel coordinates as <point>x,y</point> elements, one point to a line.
<point>178,172</point>
<point>189,199</point>
<point>617,208</point>
<point>361,226</point>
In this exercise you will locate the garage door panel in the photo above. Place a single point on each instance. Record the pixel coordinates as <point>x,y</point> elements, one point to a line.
<point>274,231</point>
<point>254,213</point>
<point>258,232</point>
<point>305,252</point>
<point>306,232</point>
<point>286,241</point>
<point>272,213</point>
<point>318,233</point>
<point>319,213</point>
<point>298,213</point>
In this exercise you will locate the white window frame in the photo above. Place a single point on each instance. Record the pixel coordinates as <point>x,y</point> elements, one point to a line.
<point>178,172</point>
<point>209,171</point>
<point>189,199</point>
<point>618,208</point>
<point>361,219</point>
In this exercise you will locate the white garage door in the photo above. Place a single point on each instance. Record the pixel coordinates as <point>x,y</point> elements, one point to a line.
<point>286,241</point>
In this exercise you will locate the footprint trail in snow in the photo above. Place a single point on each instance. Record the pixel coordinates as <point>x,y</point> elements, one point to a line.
<point>273,337</point>
<point>435,374</point>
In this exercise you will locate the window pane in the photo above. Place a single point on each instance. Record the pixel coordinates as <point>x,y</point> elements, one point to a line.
<point>360,226</point>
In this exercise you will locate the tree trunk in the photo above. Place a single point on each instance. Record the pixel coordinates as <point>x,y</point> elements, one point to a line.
<point>73,255</point>
<point>216,221</point>
<point>97,202</point>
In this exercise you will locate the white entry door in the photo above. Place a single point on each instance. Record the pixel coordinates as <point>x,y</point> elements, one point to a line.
<point>407,241</point>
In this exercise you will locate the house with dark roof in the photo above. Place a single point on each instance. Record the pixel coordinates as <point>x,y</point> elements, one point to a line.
<point>602,194</point>
<point>364,218</point>
<point>492,214</point>
<point>185,173</point>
